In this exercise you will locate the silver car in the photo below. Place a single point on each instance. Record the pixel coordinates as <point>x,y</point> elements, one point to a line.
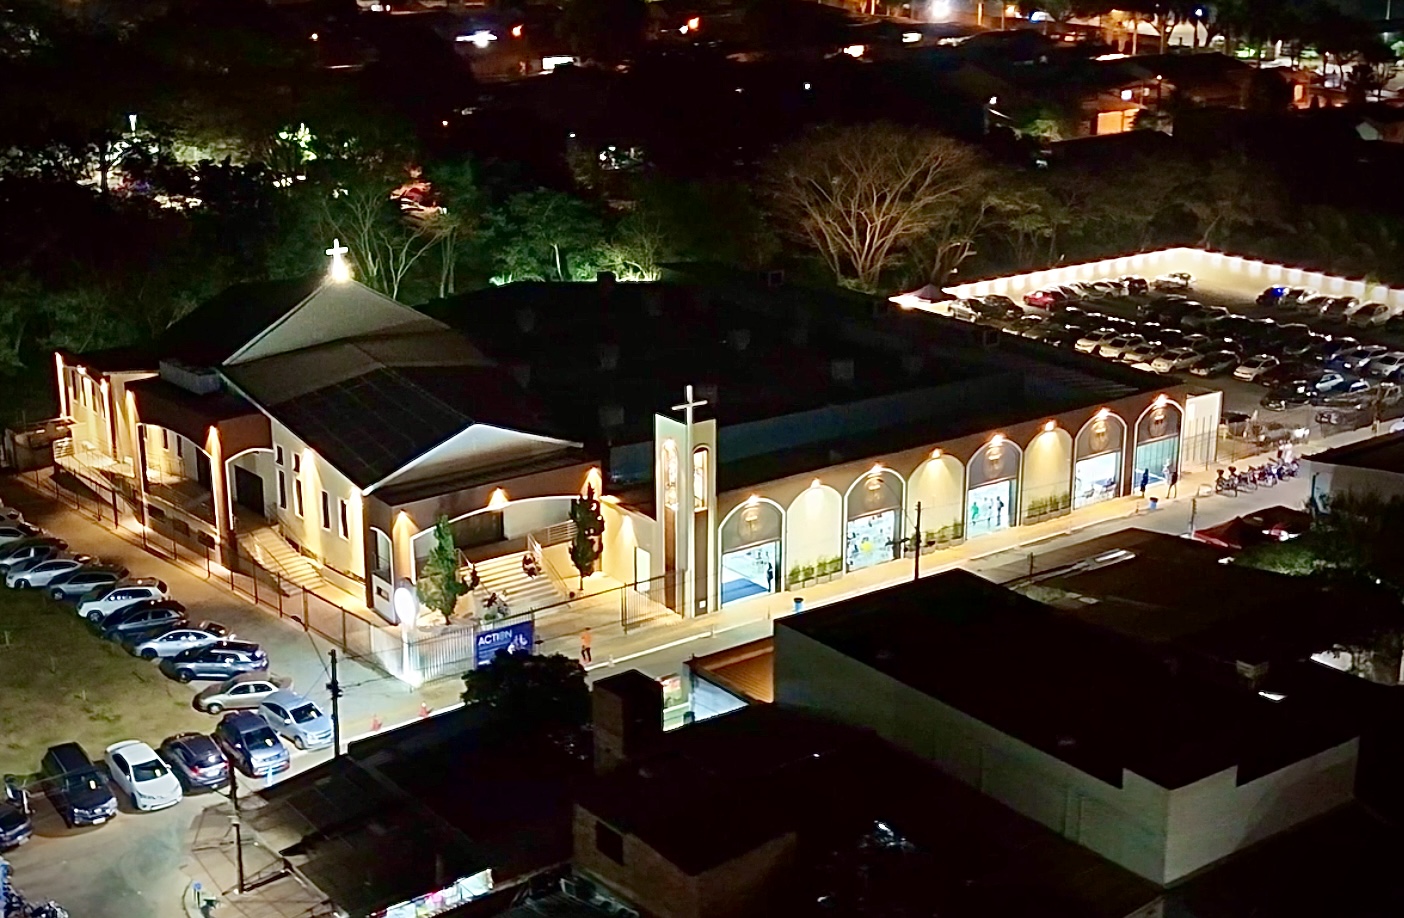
<point>297,718</point>
<point>180,639</point>
<point>24,576</point>
<point>246,690</point>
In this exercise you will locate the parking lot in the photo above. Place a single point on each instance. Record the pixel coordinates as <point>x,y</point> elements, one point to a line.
<point>1296,363</point>
<point>129,699</point>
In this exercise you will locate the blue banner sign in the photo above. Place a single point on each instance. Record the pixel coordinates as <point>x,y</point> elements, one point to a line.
<point>510,639</point>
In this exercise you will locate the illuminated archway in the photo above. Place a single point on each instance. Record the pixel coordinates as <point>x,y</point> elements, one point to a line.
<point>873,518</point>
<point>751,536</point>
<point>1047,472</point>
<point>1099,459</point>
<point>938,484</point>
<point>1157,452</point>
<point>814,532</point>
<point>992,487</point>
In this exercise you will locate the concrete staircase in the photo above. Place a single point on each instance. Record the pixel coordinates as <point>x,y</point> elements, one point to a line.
<point>504,576</point>
<point>270,550</point>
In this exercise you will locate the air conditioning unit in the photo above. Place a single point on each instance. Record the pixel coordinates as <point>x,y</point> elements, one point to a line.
<point>199,380</point>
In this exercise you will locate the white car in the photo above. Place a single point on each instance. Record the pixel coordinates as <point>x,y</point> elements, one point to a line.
<point>180,639</point>
<point>1175,280</point>
<point>1386,364</point>
<point>1250,369</point>
<point>1116,346</point>
<point>40,574</point>
<point>10,515</point>
<point>1178,359</point>
<point>1089,342</point>
<point>148,780</point>
<point>13,532</point>
<point>121,595</point>
<point>1369,315</point>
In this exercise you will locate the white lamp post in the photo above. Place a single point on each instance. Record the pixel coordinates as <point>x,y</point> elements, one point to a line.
<point>405,602</point>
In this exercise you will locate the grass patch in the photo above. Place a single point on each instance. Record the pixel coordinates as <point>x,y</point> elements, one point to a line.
<point>60,682</point>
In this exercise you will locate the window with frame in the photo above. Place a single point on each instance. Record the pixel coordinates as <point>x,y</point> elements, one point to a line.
<point>282,490</point>
<point>326,510</point>
<point>278,455</point>
<point>165,439</point>
<point>298,506</point>
<point>343,518</point>
<point>297,462</point>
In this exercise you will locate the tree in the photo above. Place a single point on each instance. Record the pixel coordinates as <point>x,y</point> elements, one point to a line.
<point>1233,194</point>
<point>460,213</point>
<point>439,586</point>
<point>585,548</point>
<point>863,195</point>
<point>527,693</point>
<point>543,234</point>
<point>385,242</point>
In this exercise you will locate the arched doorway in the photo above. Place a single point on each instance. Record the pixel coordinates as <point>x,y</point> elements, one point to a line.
<point>1098,454</point>
<point>1157,444</point>
<point>1047,470</point>
<point>751,549</point>
<point>813,534</point>
<point>938,484</point>
<point>992,488</point>
<point>873,524</point>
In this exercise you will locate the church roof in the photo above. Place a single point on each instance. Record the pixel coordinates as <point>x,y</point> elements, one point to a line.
<point>223,324</point>
<point>371,405</point>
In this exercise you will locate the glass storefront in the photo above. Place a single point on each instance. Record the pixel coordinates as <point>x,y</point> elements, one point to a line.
<point>749,571</point>
<point>1157,458</point>
<point>989,507</point>
<point>871,539</point>
<point>1096,479</point>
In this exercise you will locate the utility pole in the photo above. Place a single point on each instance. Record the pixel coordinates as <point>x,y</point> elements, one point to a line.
<point>238,828</point>
<point>916,543</point>
<point>334,688</point>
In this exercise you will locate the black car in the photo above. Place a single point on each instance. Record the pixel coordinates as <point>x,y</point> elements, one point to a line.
<point>196,759</point>
<point>215,661</point>
<point>76,787</point>
<point>148,615</point>
<point>15,824</point>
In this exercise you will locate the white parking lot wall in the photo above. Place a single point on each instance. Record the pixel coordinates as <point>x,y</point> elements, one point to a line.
<point>1330,479</point>
<point>1246,275</point>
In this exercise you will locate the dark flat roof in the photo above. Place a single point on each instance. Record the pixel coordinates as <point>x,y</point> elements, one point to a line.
<point>718,788</point>
<point>1381,454</point>
<point>747,670</point>
<point>114,359</point>
<point>1075,689</point>
<point>185,412</point>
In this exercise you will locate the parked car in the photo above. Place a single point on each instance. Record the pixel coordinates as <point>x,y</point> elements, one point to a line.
<point>30,552</point>
<point>1294,295</point>
<point>997,299</point>
<point>1175,280</point>
<point>176,640</point>
<point>215,661</point>
<point>251,745</point>
<point>148,780</point>
<point>246,690</point>
<point>1336,344</point>
<point>1180,358</point>
<point>121,595</point>
<point>196,760</point>
<point>10,515</point>
<point>1205,317</point>
<point>1089,342</point>
<point>297,718</point>
<point>1254,367</point>
<point>1216,363</point>
<point>76,584</point>
<point>1144,352</point>
<point>1044,299</point>
<point>1281,398</point>
<point>1113,348</point>
<point>151,615</point>
<point>1371,315</point>
<point>15,531</point>
<point>39,574</point>
<point>16,826</point>
<point>1134,285</point>
<point>1270,296</point>
<point>1386,365</point>
<point>76,787</point>
<point>1313,305</point>
<point>1356,359</point>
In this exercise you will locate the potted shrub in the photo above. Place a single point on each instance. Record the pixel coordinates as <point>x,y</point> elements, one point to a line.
<point>808,573</point>
<point>796,578</point>
<point>835,566</point>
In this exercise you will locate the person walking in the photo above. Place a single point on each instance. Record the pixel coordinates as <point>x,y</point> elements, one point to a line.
<point>586,640</point>
<point>1145,481</point>
<point>1174,489</point>
<point>769,577</point>
<point>999,512</point>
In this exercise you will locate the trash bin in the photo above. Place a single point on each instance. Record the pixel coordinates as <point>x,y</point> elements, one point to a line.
<point>799,603</point>
<point>1154,502</point>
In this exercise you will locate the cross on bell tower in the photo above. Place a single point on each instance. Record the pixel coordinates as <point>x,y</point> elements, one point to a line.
<point>687,502</point>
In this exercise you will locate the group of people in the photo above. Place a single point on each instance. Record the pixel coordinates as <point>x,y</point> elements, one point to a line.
<point>988,513</point>
<point>530,566</point>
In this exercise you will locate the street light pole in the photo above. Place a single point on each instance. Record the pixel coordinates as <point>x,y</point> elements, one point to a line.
<point>334,688</point>
<point>916,542</point>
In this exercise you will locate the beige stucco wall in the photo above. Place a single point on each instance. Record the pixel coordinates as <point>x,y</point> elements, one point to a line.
<point>939,484</point>
<point>326,543</point>
<point>813,527</point>
<point>1047,469</point>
